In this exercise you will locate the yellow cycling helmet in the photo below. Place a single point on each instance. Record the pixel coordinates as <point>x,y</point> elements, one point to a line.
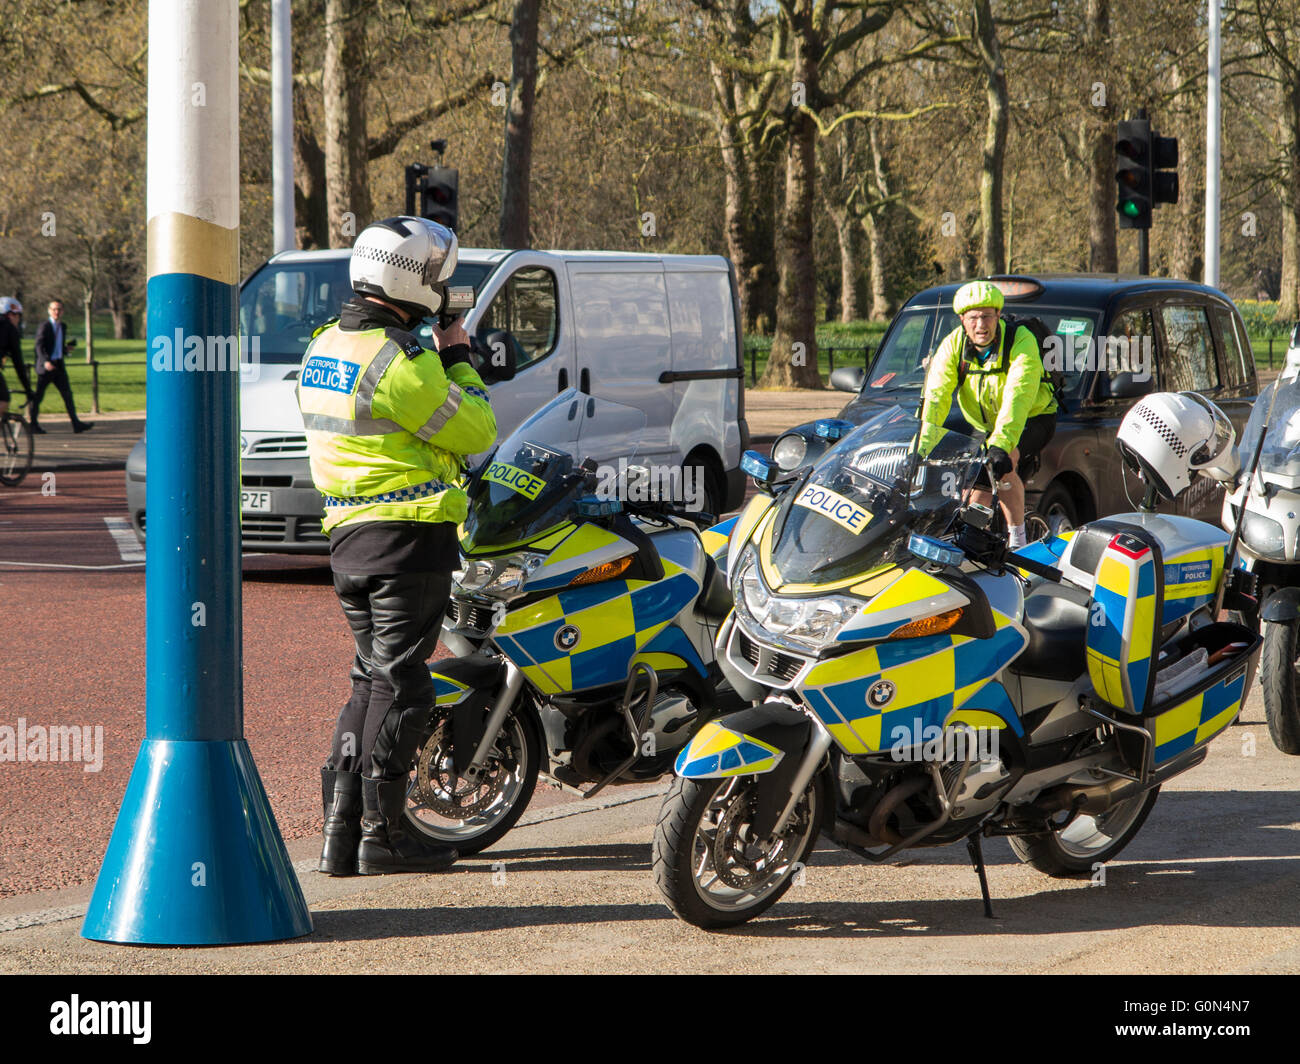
<point>977,294</point>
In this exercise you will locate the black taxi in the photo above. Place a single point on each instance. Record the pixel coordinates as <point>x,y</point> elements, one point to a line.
<point>1113,339</point>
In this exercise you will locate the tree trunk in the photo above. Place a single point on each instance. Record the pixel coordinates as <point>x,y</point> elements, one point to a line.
<point>1188,238</point>
<point>1099,134</point>
<point>123,320</point>
<point>882,307</point>
<point>517,159</point>
<point>849,233</point>
<point>344,89</point>
<point>1288,303</point>
<point>992,251</point>
<point>761,237</point>
<point>793,362</point>
<point>311,218</point>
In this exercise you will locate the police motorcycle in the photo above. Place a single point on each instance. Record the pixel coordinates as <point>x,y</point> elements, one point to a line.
<point>1264,500</point>
<point>917,684</point>
<point>584,617</point>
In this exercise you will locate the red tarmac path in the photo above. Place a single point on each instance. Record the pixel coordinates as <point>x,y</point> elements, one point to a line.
<point>74,642</point>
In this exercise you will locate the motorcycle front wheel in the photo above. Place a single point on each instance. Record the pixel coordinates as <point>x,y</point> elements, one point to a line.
<point>711,869</point>
<point>471,816</point>
<point>1277,677</point>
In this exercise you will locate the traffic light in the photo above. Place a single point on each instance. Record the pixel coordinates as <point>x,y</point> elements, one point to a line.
<point>438,191</point>
<point>1133,173</point>
<point>441,199</point>
<point>1145,172</point>
<point>1164,170</point>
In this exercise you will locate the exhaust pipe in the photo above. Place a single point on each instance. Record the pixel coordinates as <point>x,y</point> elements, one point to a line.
<point>1091,800</point>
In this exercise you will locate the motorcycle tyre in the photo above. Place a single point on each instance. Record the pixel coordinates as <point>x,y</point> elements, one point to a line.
<point>673,851</point>
<point>1279,682</point>
<point>471,844</point>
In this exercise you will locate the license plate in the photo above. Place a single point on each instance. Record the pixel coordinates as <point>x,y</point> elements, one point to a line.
<point>255,502</point>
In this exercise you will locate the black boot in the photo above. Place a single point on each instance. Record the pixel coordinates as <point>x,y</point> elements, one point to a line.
<point>341,796</point>
<point>386,846</point>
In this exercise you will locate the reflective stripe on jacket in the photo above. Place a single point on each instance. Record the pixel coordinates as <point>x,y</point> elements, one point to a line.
<point>383,416</point>
<point>996,398</point>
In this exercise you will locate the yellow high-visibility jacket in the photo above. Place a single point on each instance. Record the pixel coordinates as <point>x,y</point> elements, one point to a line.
<point>388,428</point>
<point>996,397</point>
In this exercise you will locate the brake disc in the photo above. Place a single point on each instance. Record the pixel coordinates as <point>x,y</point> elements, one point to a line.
<point>434,775</point>
<point>736,857</point>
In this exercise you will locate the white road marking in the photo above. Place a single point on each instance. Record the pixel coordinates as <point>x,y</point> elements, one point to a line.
<point>127,545</point>
<point>61,565</point>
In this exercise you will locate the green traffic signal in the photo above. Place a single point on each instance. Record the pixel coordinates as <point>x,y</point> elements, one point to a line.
<point>1130,208</point>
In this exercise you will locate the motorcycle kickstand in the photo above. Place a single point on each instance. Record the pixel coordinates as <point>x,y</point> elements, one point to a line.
<point>975,848</point>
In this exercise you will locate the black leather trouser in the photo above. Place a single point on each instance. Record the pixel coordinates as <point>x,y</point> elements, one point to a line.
<point>395,621</point>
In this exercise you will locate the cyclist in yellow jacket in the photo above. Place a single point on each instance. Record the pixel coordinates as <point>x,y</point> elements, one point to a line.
<point>389,424</point>
<point>1001,390</point>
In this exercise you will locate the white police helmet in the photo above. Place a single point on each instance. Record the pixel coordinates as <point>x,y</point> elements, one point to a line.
<point>405,261</point>
<point>9,305</point>
<point>1169,437</point>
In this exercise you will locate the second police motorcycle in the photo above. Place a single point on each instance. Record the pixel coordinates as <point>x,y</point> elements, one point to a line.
<point>584,618</point>
<point>916,684</point>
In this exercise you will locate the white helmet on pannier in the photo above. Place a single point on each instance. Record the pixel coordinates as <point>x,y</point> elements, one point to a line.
<point>405,261</point>
<point>1168,437</point>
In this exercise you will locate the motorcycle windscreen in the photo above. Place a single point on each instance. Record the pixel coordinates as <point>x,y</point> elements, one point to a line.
<point>1124,621</point>
<point>855,510</point>
<point>534,478</point>
<point>1280,455</point>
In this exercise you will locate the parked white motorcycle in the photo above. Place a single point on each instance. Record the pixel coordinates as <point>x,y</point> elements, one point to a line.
<point>1265,480</point>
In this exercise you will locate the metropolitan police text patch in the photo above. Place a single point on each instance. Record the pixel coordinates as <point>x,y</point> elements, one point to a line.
<point>332,373</point>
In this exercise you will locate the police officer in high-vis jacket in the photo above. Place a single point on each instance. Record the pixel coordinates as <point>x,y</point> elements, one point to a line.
<point>389,424</point>
<point>1001,389</point>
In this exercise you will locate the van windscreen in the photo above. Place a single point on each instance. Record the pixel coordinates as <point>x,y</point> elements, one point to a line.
<point>282,304</point>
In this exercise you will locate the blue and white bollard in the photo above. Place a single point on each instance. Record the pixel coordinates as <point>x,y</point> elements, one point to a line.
<point>196,857</point>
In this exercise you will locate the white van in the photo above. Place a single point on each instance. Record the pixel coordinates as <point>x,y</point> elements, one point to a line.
<point>656,332</point>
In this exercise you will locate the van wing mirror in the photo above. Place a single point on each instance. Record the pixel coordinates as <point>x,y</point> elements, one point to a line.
<point>499,355</point>
<point>849,379</point>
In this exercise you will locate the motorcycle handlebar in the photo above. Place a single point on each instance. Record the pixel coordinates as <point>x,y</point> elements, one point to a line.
<point>1031,566</point>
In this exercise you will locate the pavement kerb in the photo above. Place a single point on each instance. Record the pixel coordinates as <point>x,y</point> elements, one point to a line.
<point>23,911</point>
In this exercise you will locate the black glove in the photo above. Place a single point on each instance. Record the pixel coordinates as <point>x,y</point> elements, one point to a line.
<point>1000,461</point>
<point>454,354</point>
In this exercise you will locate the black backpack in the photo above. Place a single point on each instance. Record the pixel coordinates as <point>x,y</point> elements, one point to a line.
<point>1042,333</point>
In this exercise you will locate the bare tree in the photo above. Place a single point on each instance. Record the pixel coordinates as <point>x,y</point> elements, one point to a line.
<point>344,85</point>
<point>517,159</point>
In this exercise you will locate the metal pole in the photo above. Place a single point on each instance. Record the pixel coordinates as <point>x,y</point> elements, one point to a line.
<point>1213,131</point>
<point>1144,252</point>
<point>195,857</point>
<point>282,125</point>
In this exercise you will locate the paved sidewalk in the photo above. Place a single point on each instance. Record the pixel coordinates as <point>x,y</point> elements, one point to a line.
<point>770,413</point>
<point>103,447</point>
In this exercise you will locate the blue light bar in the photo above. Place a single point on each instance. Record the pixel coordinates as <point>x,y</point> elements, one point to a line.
<point>595,506</point>
<point>758,467</point>
<point>933,550</point>
<point>832,428</point>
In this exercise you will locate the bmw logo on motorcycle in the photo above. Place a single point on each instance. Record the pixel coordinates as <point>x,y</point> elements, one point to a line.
<point>567,637</point>
<point>881,694</point>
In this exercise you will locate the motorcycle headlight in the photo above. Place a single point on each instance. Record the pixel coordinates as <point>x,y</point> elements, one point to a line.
<point>810,623</point>
<point>1263,535</point>
<point>502,577</point>
<point>789,451</point>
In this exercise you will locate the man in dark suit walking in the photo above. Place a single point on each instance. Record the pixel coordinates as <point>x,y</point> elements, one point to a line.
<point>51,346</point>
